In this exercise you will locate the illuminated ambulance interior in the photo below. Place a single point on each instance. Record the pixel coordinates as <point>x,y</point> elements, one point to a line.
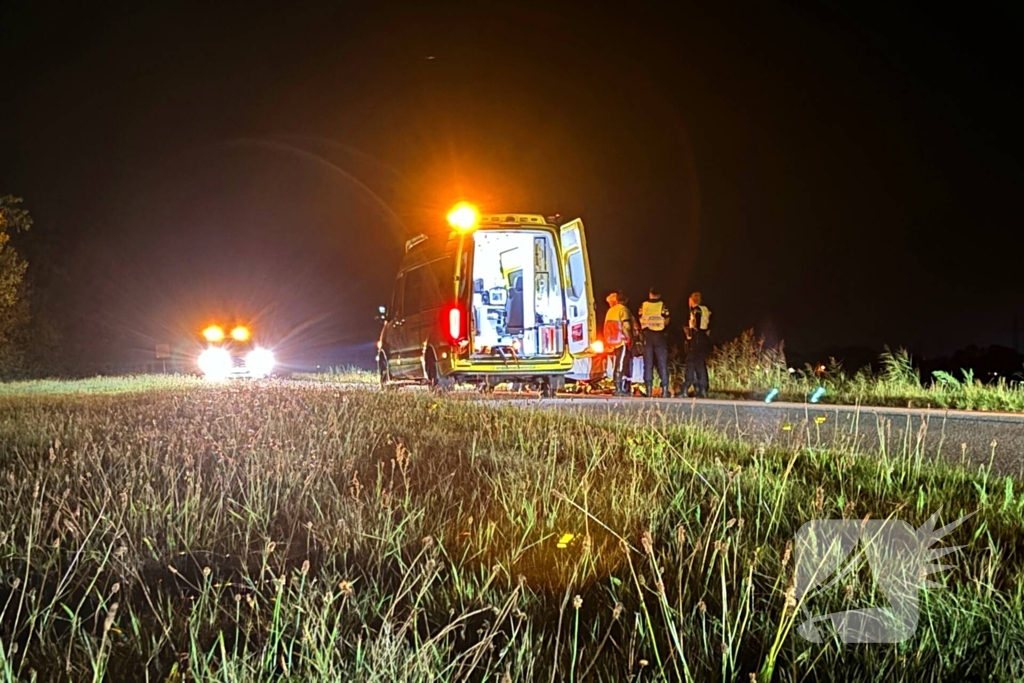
<point>517,308</point>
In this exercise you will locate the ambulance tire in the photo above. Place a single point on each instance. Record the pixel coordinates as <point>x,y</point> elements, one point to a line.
<point>436,382</point>
<point>551,387</point>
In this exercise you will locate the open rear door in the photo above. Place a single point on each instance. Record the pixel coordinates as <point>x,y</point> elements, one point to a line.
<point>579,289</point>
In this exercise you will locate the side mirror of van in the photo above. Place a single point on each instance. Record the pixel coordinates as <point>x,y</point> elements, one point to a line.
<point>382,313</point>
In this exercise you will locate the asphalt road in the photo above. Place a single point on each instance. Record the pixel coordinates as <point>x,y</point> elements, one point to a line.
<point>965,437</point>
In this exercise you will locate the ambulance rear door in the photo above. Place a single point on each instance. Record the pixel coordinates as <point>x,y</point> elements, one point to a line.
<point>579,289</point>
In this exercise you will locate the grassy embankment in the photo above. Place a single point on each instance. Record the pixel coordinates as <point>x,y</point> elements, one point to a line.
<point>746,367</point>
<point>269,531</point>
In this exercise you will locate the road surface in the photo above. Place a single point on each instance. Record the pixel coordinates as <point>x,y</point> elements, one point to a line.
<point>966,437</point>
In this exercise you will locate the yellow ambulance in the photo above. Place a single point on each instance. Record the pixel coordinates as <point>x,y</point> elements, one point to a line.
<point>504,298</point>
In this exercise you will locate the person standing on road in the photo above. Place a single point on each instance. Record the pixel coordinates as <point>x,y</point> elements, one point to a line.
<point>618,333</point>
<point>698,347</point>
<point>654,319</point>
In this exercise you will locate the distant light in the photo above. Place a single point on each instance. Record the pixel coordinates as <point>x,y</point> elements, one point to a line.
<point>818,393</point>
<point>771,395</point>
<point>213,333</point>
<point>463,216</point>
<point>215,363</point>
<point>259,362</point>
<point>240,333</point>
<point>597,346</point>
<point>792,370</point>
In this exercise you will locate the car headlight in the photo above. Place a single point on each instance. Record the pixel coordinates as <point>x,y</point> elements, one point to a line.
<point>260,362</point>
<point>215,362</point>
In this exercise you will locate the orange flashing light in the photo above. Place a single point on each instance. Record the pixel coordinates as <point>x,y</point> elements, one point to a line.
<point>463,216</point>
<point>213,334</point>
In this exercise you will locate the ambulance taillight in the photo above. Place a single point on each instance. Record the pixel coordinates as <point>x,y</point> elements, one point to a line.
<point>454,323</point>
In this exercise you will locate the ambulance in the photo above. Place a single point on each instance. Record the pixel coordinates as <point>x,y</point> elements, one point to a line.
<point>504,298</point>
<point>233,354</point>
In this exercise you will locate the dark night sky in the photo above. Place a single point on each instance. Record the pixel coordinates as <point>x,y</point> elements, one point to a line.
<point>826,175</point>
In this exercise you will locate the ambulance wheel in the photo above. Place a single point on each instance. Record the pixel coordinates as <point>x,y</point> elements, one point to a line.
<point>436,382</point>
<point>551,387</point>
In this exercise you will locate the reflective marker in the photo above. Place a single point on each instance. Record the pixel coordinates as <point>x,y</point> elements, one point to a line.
<point>771,395</point>
<point>818,393</point>
<point>565,540</point>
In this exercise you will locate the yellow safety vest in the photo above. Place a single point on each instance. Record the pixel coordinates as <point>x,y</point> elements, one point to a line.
<point>614,334</point>
<point>651,317</point>
<point>705,318</point>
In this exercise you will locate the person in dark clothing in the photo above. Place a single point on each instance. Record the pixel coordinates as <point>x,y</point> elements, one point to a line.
<point>698,347</point>
<point>654,320</point>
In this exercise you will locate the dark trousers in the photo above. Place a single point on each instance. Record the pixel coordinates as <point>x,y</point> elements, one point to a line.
<point>656,355</point>
<point>623,361</point>
<point>697,364</point>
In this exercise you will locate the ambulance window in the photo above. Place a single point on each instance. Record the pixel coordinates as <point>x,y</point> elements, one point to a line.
<point>396,299</point>
<point>577,275</point>
<point>439,283</point>
<point>413,291</point>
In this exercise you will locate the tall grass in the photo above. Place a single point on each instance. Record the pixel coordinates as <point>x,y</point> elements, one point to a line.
<point>347,374</point>
<point>255,532</point>
<point>748,367</point>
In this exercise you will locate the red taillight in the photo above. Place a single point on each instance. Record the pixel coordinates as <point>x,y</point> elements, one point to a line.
<point>454,324</point>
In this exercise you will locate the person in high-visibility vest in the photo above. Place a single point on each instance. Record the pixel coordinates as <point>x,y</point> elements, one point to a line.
<point>618,335</point>
<point>698,346</point>
<point>654,319</point>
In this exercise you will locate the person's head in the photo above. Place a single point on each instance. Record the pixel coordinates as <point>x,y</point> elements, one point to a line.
<point>695,299</point>
<point>654,294</point>
<point>612,298</point>
<point>622,298</point>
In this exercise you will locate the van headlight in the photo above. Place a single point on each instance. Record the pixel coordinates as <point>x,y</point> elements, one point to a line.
<point>260,362</point>
<point>215,363</point>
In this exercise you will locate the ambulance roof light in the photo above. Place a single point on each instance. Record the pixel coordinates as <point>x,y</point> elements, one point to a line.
<point>463,216</point>
<point>214,334</point>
